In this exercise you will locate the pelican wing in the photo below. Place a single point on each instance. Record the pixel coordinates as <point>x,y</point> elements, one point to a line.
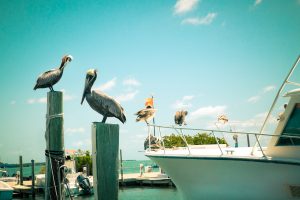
<point>107,104</point>
<point>48,77</point>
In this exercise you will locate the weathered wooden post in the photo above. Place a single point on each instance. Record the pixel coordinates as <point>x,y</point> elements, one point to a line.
<point>21,169</point>
<point>105,148</point>
<point>121,165</point>
<point>32,179</point>
<point>54,146</point>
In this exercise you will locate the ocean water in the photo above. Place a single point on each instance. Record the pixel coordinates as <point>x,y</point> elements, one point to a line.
<point>136,193</point>
<point>129,166</point>
<point>125,193</point>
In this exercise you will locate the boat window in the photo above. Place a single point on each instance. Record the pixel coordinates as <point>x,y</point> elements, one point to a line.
<point>291,128</point>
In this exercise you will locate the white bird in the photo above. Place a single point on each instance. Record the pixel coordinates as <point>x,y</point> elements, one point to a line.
<point>51,77</point>
<point>101,102</point>
<point>145,114</point>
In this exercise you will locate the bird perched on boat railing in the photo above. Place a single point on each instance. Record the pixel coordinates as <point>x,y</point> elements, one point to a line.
<point>180,117</point>
<point>51,77</point>
<point>99,101</point>
<point>145,114</point>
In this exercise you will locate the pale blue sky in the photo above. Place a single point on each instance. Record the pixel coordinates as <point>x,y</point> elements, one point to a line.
<point>210,57</point>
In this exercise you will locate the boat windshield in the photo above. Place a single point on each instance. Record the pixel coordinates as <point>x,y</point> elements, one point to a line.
<point>292,128</point>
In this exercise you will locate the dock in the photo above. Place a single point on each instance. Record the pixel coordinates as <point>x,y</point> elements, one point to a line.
<point>149,178</point>
<point>153,179</point>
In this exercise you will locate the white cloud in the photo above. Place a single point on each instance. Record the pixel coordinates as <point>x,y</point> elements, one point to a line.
<point>183,103</point>
<point>208,19</point>
<point>183,6</point>
<point>209,111</point>
<point>66,97</point>
<point>108,85</point>
<point>269,88</point>
<point>253,99</point>
<point>127,96</point>
<point>13,102</point>
<point>75,130</point>
<point>131,82</point>
<point>257,2</point>
<point>37,100</point>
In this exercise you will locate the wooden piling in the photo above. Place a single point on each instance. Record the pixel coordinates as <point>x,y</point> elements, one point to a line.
<point>32,179</point>
<point>54,145</point>
<point>121,165</point>
<point>105,148</point>
<point>21,169</point>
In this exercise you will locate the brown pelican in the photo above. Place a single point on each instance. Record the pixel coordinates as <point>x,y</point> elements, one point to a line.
<point>100,102</point>
<point>145,114</point>
<point>180,117</point>
<point>51,77</point>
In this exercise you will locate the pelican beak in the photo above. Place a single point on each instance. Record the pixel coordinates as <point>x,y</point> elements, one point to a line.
<point>87,81</point>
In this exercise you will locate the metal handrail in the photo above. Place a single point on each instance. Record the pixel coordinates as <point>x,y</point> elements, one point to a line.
<point>257,135</point>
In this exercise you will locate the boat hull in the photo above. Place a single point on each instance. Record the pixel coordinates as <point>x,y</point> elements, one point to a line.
<point>6,192</point>
<point>225,178</point>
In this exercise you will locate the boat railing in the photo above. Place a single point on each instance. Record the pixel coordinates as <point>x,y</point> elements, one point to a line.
<point>179,130</point>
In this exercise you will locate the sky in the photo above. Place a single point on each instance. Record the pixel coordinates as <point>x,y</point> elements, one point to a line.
<point>208,57</point>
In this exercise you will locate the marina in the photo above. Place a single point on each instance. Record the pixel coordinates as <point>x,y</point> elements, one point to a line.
<point>143,99</point>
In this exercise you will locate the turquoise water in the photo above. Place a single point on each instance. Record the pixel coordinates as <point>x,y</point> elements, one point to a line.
<point>129,166</point>
<point>126,193</point>
<point>138,193</point>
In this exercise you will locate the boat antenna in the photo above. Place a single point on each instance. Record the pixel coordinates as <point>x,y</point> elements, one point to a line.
<point>286,80</point>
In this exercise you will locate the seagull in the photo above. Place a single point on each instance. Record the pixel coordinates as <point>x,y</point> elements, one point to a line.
<point>99,101</point>
<point>180,117</point>
<point>145,114</point>
<point>51,77</point>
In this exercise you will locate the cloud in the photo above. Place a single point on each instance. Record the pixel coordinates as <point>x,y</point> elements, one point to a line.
<point>13,102</point>
<point>208,19</point>
<point>37,100</point>
<point>183,103</point>
<point>257,2</point>
<point>75,130</point>
<point>269,88</point>
<point>66,97</point>
<point>256,98</point>
<point>253,99</point>
<point>127,96</point>
<point>131,82</point>
<point>183,6</point>
<point>209,111</point>
<point>108,85</point>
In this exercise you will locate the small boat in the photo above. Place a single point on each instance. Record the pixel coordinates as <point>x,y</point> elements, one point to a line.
<point>6,192</point>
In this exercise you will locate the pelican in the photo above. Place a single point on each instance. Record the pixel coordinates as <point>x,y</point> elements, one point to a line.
<point>145,114</point>
<point>51,77</point>
<point>180,117</point>
<point>100,102</point>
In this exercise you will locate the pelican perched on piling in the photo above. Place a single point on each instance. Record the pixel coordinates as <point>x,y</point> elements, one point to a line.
<point>51,77</point>
<point>145,114</point>
<point>180,117</point>
<point>100,102</point>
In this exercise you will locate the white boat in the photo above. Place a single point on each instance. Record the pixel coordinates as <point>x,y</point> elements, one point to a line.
<point>221,172</point>
<point>6,192</point>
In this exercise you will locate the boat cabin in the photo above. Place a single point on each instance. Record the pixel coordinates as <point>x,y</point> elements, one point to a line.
<point>286,142</point>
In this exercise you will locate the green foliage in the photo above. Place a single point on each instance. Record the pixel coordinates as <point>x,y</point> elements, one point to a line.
<point>84,160</point>
<point>198,139</point>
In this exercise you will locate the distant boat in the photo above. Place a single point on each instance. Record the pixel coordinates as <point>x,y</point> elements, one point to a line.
<point>220,172</point>
<point>6,192</point>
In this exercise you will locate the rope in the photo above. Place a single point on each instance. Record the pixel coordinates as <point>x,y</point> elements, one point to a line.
<point>58,156</point>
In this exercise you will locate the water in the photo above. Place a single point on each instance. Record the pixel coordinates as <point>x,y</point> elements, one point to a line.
<point>129,166</point>
<point>138,193</point>
<point>127,193</point>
